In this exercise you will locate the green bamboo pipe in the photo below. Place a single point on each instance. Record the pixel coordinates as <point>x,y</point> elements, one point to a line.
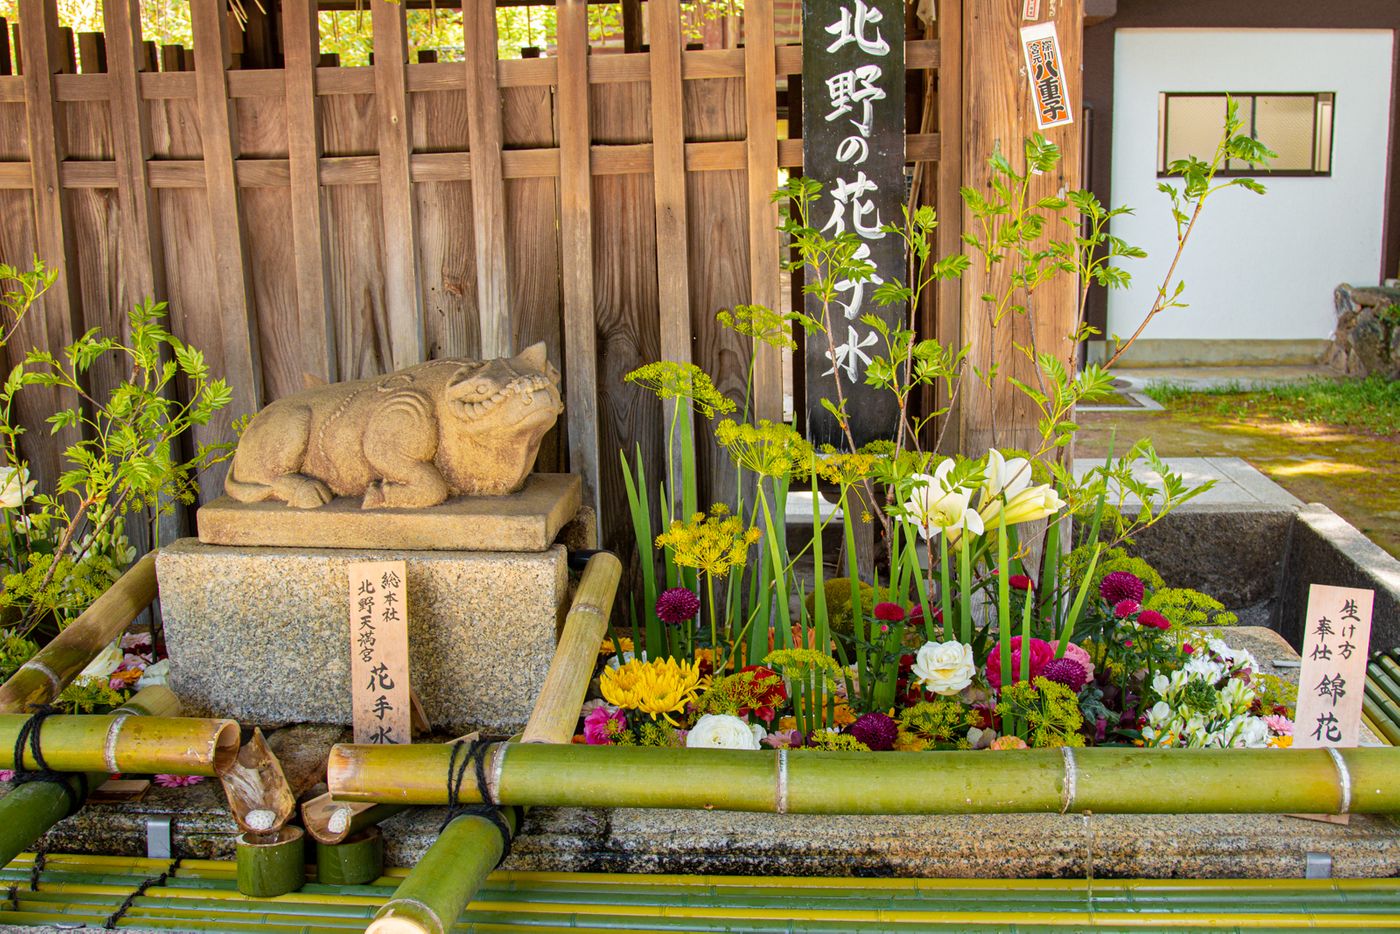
<point>123,743</point>
<point>31,809</point>
<point>271,864</point>
<point>1106,780</point>
<point>357,861</point>
<point>43,677</point>
<point>432,897</point>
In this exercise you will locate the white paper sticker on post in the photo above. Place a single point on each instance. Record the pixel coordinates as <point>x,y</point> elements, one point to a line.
<point>1030,10</point>
<point>379,652</point>
<point>1045,70</point>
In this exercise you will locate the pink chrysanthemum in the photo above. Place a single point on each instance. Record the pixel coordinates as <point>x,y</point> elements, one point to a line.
<point>1125,608</point>
<point>1066,671</point>
<point>1154,619</point>
<point>677,605</point>
<point>176,781</point>
<point>1279,725</point>
<point>1121,585</point>
<point>876,730</point>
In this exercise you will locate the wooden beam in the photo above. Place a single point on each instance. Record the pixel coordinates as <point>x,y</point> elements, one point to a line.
<point>761,109</point>
<point>632,26</point>
<point>231,291</point>
<point>576,248</point>
<point>401,299</point>
<point>488,181</point>
<point>301,35</point>
<point>92,52</point>
<point>668,178</point>
<point>949,205</point>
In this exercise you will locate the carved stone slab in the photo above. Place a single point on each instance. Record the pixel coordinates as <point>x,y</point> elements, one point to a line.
<point>525,521</point>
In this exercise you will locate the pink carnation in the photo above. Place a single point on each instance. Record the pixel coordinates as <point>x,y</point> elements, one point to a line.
<point>1041,655</point>
<point>176,781</point>
<point>1154,619</point>
<point>1279,725</point>
<point>596,725</point>
<point>1125,608</point>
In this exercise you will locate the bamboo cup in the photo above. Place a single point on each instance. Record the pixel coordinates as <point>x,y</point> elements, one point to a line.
<point>1103,780</point>
<point>357,861</point>
<point>28,811</point>
<point>272,864</point>
<point>44,676</point>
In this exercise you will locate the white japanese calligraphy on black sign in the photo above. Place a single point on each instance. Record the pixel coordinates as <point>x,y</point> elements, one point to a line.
<point>853,144</point>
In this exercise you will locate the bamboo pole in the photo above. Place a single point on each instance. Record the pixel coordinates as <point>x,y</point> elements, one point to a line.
<point>431,899</point>
<point>1104,780</point>
<point>29,810</point>
<point>43,677</point>
<point>557,706</point>
<point>357,861</point>
<point>271,864</point>
<point>123,743</point>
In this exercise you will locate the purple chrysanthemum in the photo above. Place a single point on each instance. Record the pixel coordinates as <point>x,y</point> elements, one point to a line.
<point>677,605</point>
<point>876,730</point>
<point>1121,585</point>
<point>1066,671</point>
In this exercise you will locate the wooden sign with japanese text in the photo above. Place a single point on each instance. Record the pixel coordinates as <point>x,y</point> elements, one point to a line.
<point>1332,680</point>
<point>379,652</point>
<point>1045,70</point>
<point>853,144</point>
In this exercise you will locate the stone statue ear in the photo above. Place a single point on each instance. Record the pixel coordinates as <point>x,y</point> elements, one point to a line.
<point>535,357</point>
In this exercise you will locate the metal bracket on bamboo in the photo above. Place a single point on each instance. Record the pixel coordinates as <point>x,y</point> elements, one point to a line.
<point>259,796</point>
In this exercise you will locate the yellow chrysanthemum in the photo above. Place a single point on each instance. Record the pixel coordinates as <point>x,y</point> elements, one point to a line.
<point>659,688</point>
<point>608,648</point>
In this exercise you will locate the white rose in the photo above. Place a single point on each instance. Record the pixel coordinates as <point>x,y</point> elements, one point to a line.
<point>106,662</point>
<point>944,667</point>
<point>155,675</point>
<point>722,731</point>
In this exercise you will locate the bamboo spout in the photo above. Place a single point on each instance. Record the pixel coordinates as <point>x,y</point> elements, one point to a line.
<point>1103,780</point>
<point>44,676</point>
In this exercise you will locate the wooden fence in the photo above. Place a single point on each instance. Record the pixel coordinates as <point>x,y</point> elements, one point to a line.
<point>315,223</point>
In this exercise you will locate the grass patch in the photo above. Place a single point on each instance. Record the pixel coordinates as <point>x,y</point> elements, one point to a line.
<point>1371,404</point>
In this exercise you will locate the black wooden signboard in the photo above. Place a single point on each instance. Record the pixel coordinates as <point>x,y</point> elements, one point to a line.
<point>853,143</point>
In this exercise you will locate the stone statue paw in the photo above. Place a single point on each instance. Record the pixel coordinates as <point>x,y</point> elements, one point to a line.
<point>374,496</point>
<point>302,492</point>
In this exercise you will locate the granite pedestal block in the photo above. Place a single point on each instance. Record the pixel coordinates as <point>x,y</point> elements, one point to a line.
<point>263,634</point>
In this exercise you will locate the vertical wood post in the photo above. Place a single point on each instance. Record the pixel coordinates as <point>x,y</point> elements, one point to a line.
<point>632,25</point>
<point>92,53</point>
<point>949,205</point>
<point>301,40</point>
<point>576,247</point>
<point>488,182</point>
<point>668,178</point>
<point>761,110</point>
<point>401,298</point>
<point>998,114</point>
<point>241,365</point>
<point>44,56</point>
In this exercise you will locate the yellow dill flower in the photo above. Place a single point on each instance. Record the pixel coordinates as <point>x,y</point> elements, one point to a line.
<point>712,544</point>
<point>844,469</point>
<point>797,664</point>
<point>769,449</point>
<point>909,742</point>
<point>756,321</point>
<point>671,380</point>
<point>660,687</point>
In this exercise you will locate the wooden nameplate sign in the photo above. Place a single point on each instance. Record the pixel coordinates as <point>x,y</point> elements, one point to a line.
<point>381,708</point>
<point>1332,679</point>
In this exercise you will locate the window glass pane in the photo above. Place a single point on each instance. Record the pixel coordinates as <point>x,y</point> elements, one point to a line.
<point>1285,125</point>
<point>1193,126</point>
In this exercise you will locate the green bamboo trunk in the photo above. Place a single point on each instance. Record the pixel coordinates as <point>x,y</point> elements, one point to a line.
<point>1103,780</point>
<point>272,865</point>
<point>121,743</point>
<point>431,898</point>
<point>30,810</point>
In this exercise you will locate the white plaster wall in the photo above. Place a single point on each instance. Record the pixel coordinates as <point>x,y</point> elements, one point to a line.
<point>1256,267</point>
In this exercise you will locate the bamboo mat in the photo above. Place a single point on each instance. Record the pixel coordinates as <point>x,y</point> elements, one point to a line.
<point>201,895</point>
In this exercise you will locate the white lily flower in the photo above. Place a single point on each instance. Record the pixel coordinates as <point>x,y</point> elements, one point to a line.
<point>1004,476</point>
<point>937,509</point>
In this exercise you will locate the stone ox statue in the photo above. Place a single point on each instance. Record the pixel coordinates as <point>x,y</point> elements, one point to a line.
<point>407,440</point>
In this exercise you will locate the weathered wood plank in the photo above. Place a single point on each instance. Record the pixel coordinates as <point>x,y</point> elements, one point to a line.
<point>59,313</point>
<point>401,299</point>
<point>669,168</point>
<point>301,48</point>
<point>949,205</point>
<point>230,312</point>
<point>488,183</point>
<point>532,236</point>
<point>761,111</point>
<point>576,253</point>
<point>998,111</point>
